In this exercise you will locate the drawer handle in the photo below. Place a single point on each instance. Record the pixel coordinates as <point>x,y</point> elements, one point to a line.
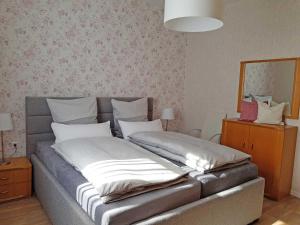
<point>3,192</point>
<point>3,178</point>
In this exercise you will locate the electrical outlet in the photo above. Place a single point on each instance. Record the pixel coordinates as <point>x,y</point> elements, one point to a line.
<point>14,144</point>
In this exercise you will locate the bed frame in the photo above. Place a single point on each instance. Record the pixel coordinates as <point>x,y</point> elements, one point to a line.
<point>240,205</point>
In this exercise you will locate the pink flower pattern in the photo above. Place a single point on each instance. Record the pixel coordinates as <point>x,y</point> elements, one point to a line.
<point>87,47</point>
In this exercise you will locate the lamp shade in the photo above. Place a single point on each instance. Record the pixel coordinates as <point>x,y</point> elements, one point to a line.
<point>168,114</point>
<point>5,122</point>
<point>193,15</point>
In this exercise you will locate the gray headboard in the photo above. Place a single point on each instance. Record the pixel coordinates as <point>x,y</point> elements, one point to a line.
<point>39,119</point>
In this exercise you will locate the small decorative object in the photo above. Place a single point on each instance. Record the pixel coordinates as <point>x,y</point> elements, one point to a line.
<point>249,111</point>
<point>193,15</point>
<point>167,114</point>
<point>5,125</point>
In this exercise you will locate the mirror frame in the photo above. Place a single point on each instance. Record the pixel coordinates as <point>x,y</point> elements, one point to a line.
<point>296,86</point>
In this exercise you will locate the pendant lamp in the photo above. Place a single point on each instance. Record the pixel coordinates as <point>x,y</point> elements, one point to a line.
<point>193,15</point>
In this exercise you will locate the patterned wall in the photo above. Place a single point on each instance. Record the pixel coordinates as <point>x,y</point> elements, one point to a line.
<point>87,47</point>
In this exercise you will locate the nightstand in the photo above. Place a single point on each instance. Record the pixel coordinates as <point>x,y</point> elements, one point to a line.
<point>15,179</point>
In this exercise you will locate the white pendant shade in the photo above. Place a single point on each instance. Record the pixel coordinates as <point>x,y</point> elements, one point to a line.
<point>193,15</point>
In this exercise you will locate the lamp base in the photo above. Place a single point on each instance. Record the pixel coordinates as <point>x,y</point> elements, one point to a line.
<point>167,123</point>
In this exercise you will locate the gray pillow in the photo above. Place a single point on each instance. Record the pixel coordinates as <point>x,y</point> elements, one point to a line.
<point>75,111</point>
<point>129,111</point>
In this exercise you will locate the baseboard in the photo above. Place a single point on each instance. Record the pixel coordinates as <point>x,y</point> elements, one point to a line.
<point>295,193</point>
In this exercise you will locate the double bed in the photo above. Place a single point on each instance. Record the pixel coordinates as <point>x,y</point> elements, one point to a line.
<point>69,199</point>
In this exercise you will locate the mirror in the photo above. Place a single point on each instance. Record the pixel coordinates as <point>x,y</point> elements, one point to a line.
<point>272,81</point>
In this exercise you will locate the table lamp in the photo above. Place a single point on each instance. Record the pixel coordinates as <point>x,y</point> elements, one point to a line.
<point>167,114</point>
<point>5,125</point>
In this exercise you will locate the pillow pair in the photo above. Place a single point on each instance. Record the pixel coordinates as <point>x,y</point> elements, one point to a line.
<point>129,111</point>
<point>84,111</point>
<point>132,117</point>
<point>260,112</point>
<point>76,118</point>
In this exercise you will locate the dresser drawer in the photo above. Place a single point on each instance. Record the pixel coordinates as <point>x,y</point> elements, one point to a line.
<point>6,192</point>
<point>6,177</point>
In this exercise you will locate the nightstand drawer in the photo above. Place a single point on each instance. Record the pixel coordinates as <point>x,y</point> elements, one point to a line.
<point>22,190</point>
<point>6,192</point>
<point>6,177</point>
<point>21,175</point>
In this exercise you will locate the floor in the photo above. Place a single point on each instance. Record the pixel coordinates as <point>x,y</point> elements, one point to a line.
<point>285,212</point>
<point>23,212</point>
<point>29,212</point>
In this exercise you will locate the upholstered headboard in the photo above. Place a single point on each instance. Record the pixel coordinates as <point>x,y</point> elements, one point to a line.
<point>38,118</point>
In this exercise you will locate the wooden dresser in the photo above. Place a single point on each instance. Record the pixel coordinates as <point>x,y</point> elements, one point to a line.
<point>15,179</point>
<point>272,148</point>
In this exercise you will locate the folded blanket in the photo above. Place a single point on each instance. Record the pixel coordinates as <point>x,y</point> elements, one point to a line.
<point>196,153</point>
<point>118,169</point>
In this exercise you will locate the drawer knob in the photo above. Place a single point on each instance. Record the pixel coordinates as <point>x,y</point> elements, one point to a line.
<point>3,178</point>
<point>3,192</point>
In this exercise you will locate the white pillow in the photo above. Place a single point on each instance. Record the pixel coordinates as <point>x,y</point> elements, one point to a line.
<point>65,132</point>
<point>74,111</point>
<point>129,111</point>
<point>129,128</point>
<point>270,115</point>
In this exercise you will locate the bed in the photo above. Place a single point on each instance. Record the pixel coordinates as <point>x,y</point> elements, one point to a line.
<point>196,204</point>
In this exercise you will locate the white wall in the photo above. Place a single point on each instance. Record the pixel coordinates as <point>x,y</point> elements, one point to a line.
<point>254,29</point>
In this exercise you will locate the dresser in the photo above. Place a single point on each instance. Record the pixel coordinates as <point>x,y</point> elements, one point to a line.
<point>272,148</point>
<point>15,179</point>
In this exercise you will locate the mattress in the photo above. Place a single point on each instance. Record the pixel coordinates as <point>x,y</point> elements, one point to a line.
<point>221,179</point>
<point>124,212</point>
<point>215,182</point>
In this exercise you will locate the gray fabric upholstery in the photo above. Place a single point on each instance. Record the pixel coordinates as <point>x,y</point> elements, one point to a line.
<point>222,208</point>
<point>51,195</point>
<point>214,182</point>
<point>38,117</point>
<point>129,210</point>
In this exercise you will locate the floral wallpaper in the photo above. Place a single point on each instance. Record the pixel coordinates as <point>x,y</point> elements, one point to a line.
<point>87,47</point>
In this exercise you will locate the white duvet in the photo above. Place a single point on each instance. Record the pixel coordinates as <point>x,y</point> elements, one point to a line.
<point>196,153</point>
<point>117,168</point>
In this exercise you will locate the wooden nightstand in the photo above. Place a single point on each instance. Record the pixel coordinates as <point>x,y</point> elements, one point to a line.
<point>15,179</point>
